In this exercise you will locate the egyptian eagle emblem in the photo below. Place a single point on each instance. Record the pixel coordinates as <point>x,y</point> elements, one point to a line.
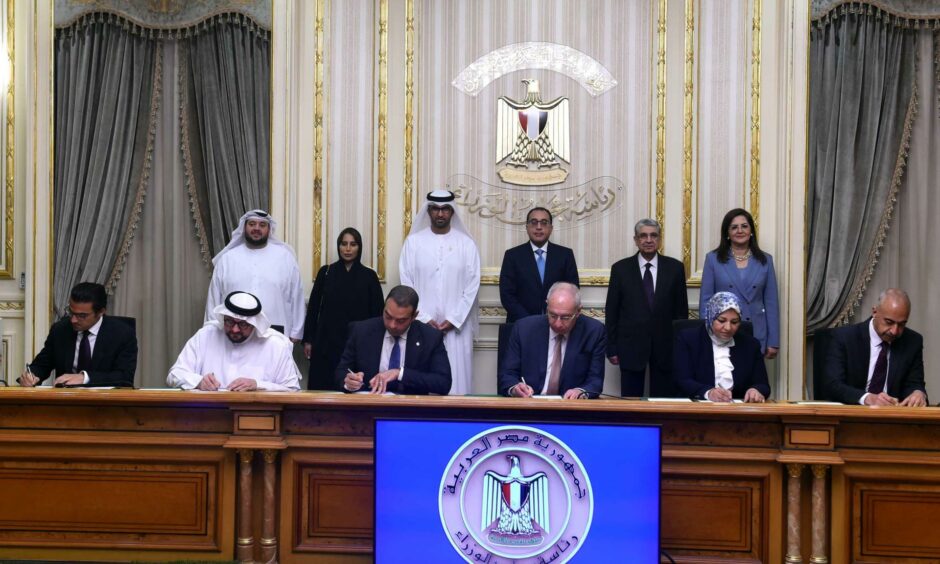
<point>532,137</point>
<point>517,505</point>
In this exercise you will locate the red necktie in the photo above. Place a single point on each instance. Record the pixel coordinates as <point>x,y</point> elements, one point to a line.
<point>554,375</point>
<point>880,374</point>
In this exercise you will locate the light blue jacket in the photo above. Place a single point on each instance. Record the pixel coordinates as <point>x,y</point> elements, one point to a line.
<point>757,290</point>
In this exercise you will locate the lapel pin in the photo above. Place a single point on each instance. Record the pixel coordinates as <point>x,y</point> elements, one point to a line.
<point>417,343</point>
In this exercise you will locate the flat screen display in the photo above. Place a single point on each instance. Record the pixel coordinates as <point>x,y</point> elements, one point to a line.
<point>496,492</point>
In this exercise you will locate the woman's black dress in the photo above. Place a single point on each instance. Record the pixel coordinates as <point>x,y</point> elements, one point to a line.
<point>338,298</point>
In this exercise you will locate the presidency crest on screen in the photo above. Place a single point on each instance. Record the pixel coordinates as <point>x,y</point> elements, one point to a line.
<point>518,493</point>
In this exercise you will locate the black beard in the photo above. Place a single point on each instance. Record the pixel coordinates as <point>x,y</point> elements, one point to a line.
<point>256,242</point>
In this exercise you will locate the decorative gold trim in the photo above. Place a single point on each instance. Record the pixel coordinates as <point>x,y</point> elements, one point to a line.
<point>586,277</point>
<point>318,140</point>
<point>50,266</point>
<point>14,305</point>
<point>754,197</point>
<point>182,79</point>
<point>661,118</point>
<point>409,115</point>
<point>687,146</point>
<point>382,180</point>
<point>10,177</point>
<point>500,311</point>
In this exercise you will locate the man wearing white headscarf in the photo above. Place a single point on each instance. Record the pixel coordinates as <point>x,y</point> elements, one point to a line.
<point>441,262</point>
<point>236,351</point>
<point>258,262</point>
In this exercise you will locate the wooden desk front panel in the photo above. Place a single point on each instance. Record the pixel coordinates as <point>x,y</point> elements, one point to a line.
<point>115,482</point>
<point>151,475</point>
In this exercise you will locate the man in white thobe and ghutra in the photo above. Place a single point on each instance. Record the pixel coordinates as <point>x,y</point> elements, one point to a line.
<point>256,261</point>
<point>441,262</point>
<point>236,351</point>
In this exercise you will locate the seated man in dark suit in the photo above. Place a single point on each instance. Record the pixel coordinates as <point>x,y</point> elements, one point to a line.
<point>575,368</point>
<point>86,347</point>
<point>375,359</point>
<point>877,361</point>
<point>529,270</point>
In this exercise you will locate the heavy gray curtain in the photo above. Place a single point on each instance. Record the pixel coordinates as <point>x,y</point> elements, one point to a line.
<point>106,100</point>
<point>165,281</point>
<point>226,116</point>
<point>909,256</point>
<point>862,105</point>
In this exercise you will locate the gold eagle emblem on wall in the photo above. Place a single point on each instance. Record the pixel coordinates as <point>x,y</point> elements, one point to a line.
<point>532,138</point>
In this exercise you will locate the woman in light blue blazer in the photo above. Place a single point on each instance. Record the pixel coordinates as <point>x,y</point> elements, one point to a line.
<point>739,266</point>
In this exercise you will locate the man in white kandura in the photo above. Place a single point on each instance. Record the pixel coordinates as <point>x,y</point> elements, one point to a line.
<point>258,262</point>
<point>441,262</point>
<point>236,351</point>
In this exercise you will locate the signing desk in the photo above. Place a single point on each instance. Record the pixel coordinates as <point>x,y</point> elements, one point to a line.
<point>138,475</point>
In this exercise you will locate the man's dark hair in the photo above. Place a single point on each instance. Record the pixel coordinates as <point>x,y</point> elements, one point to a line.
<point>404,296</point>
<point>85,292</point>
<point>528,215</point>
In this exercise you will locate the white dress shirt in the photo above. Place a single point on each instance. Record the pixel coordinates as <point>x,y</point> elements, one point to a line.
<point>874,350</point>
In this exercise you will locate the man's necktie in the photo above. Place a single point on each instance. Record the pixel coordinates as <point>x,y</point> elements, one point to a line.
<point>554,375</point>
<point>394,359</point>
<point>84,353</point>
<point>880,374</point>
<point>540,262</point>
<point>648,284</point>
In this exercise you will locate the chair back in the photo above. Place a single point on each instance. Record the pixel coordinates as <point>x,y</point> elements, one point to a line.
<point>129,321</point>
<point>821,340</point>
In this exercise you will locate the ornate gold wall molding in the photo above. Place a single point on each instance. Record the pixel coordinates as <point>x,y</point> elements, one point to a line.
<point>661,118</point>
<point>382,180</point>
<point>754,199</point>
<point>13,305</point>
<point>687,139</point>
<point>408,193</point>
<point>318,140</point>
<point>10,139</point>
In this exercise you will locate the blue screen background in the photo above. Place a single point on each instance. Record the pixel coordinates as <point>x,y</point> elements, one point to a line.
<point>623,464</point>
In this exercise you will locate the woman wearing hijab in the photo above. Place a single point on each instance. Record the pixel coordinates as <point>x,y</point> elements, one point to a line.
<point>343,292</point>
<point>715,362</point>
<point>739,265</point>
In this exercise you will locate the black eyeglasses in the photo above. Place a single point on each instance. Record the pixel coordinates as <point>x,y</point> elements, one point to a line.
<point>80,316</point>
<point>240,323</point>
<point>538,222</point>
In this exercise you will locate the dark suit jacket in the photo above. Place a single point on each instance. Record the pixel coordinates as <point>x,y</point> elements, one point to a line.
<point>846,373</point>
<point>113,362</point>
<point>521,291</point>
<point>636,333</point>
<point>426,370</point>
<point>527,356</point>
<point>694,364</point>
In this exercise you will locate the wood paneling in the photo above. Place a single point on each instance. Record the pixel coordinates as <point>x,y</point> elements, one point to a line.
<point>893,521</point>
<point>715,512</point>
<point>129,475</point>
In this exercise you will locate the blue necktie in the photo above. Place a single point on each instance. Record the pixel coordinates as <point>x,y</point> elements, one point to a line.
<point>540,263</point>
<point>394,359</point>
